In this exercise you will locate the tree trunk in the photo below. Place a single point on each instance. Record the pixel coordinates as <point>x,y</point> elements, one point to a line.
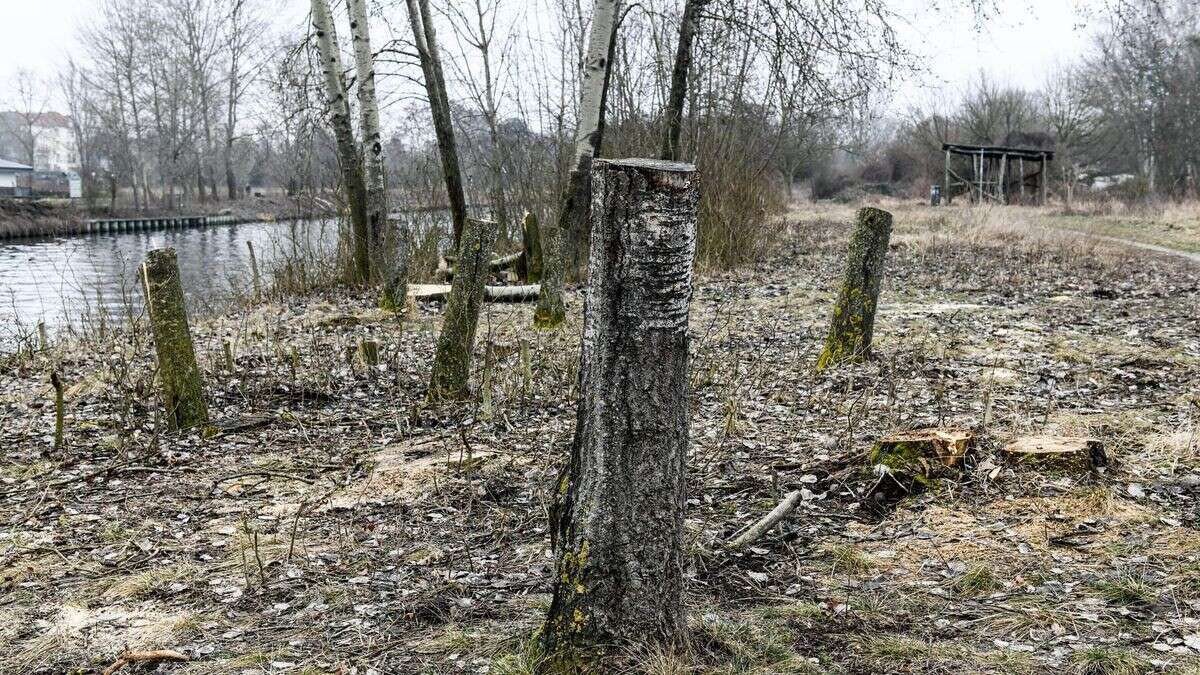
<point>178,373</point>
<point>853,320</point>
<point>439,106</point>
<point>452,362</point>
<point>531,258</point>
<point>577,197</point>
<point>679,80</point>
<point>617,521</point>
<point>343,131</point>
<point>372,151</point>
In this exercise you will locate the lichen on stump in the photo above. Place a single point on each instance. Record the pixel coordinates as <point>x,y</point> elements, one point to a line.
<point>178,374</point>
<point>853,321</point>
<point>450,379</point>
<point>618,512</point>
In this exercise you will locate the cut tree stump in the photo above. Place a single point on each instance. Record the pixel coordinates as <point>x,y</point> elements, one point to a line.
<point>911,460</point>
<point>853,324</point>
<point>178,373</point>
<point>1060,450</point>
<point>450,376</point>
<point>618,512</point>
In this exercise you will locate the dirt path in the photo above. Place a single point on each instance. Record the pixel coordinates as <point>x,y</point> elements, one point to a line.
<point>1194,257</point>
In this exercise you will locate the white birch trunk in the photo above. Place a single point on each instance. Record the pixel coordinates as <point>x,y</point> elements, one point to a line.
<point>372,151</point>
<point>339,114</point>
<point>550,310</point>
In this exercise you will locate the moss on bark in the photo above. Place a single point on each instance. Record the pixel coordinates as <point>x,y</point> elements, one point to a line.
<point>178,373</point>
<point>450,378</point>
<point>853,322</point>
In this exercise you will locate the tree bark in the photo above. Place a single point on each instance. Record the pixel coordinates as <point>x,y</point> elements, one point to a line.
<point>617,520</point>
<point>178,373</point>
<point>372,151</point>
<point>343,131</point>
<point>679,80</point>
<point>439,106</point>
<point>853,320</point>
<point>531,258</point>
<point>452,362</point>
<point>573,214</point>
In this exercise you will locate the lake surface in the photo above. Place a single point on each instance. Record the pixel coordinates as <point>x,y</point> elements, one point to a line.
<point>69,280</point>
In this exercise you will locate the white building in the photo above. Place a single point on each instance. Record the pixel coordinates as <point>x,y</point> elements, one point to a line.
<point>47,134</point>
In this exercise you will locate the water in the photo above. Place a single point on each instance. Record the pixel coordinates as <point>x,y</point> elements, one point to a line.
<point>69,280</point>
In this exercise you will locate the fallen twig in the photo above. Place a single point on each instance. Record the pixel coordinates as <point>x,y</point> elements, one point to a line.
<point>127,657</point>
<point>768,521</point>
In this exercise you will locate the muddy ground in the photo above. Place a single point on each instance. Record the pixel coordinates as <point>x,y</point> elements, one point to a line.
<point>337,524</point>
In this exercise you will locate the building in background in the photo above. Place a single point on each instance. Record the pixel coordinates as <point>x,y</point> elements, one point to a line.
<point>14,179</point>
<point>44,139</point>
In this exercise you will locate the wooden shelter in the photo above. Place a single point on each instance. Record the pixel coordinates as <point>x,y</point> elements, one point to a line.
<point>1001,174</point>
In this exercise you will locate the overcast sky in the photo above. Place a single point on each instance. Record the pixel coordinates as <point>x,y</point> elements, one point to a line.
<point>1016,45</point>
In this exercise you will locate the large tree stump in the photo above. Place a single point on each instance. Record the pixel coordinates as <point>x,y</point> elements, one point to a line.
<point>178,373</point>
<point>617,521</point>
<point>853,321</point>
<point>452,362</point>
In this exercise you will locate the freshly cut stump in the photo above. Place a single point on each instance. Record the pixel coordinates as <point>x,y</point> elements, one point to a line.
<point>178,374</point>
<point>1065,451</point>
<point>853,324</point>
<point>617,520</point>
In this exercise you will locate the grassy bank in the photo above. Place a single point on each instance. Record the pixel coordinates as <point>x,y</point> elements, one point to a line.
<point>336,521</point>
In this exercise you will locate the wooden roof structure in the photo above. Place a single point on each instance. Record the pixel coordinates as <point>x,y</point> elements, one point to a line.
<point>991,173</point>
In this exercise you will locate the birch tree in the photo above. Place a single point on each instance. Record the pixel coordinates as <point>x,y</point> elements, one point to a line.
<point>396,284</point>
<point>338,106</point>
<point>551,311</point>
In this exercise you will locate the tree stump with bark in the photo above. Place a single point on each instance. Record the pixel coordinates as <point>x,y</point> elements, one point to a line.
<point>452,362</point>
<point>530,266</point>
<point>178,372</point>
<point>617,520</point>
<point>853,322</point>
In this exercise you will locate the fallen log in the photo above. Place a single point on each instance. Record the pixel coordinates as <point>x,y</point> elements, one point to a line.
<point>439,292</point>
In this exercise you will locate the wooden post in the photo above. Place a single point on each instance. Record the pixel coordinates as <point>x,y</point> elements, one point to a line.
<point>1021,167</point>
<point>1042,179</point>
<point>452,362</point>
<point>59,410</point>
<point>254,271</point>
<point>178,373</point>
<point>948,196</point>
<point>853,322</point>
<point>1002,188</point>
<point>617,520</point>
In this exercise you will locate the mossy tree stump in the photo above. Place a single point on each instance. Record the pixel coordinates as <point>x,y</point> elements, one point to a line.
<point>617,520</point>
<point>530,265</point>
<point>178,373</point>
<point>853,322</point>
<point>450,379</point>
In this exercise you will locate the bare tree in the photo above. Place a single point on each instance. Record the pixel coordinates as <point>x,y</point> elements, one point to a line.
<point>339,113</point>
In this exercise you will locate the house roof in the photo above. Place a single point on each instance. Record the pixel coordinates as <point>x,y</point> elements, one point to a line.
<point>48,119</point>
<point>6,165</point>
